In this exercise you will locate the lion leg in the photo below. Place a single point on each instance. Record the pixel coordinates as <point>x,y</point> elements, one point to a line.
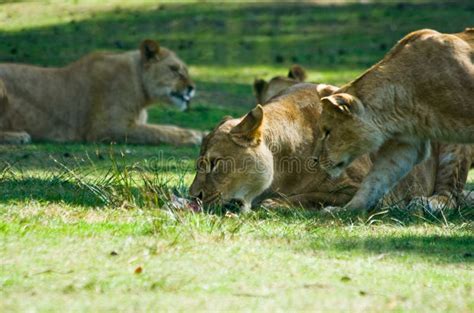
<point>454,162</point>
<point>15,138</point>
<point>313,200</point>
<point>9,137</point>
<point>142,117</point>
<point>158,134</point>
<point>393,161</point>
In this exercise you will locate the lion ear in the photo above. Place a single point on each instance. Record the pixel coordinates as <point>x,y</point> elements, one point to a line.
<point>297,72</point>
<point>259,86</point>
<point>343,103</point>
<point>326,90</point>
<point>149,50</point>
<point>249,131</point>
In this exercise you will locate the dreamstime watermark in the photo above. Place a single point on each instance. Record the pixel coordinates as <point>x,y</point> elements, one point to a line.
<point>238,164</point>
<point>233,164</point>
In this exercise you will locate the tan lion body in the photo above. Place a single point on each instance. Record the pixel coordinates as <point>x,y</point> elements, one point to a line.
<point>268,153</point>
<point>102,96</point>
<point>422,90</point>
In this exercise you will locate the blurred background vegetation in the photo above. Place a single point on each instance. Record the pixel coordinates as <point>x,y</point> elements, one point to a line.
<point>227,45</point>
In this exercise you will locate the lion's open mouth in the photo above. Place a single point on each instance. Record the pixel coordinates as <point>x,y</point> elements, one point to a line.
<point>181,96</point>
<point>180,100</point>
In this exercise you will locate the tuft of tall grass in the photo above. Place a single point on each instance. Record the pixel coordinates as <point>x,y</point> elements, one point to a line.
<point>144,185</point>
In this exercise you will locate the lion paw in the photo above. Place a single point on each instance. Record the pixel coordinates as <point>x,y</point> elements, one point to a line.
<point>270,204</point>
<point>15,138</point>
<point>24,138</point>
<point>333,210</point>
<point>432,205</point>
<point>196,138</point>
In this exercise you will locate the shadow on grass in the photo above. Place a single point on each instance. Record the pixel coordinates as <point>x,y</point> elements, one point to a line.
<point>111,192</point>
<point>322,35</point>
<point>444,248</point>
<point>95,159</point>
<point>52,190</point>
<point>114,182</point>
<point>397,233</point>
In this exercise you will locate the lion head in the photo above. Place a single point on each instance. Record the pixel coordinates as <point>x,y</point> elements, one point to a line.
<point>264,90</point>
<point>164,75</point>
<point>234,165</point>
<point>345,133</point>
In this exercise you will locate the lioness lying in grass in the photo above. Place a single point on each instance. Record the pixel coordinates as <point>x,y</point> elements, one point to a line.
<point>267,155</point>
<point>101,97</point>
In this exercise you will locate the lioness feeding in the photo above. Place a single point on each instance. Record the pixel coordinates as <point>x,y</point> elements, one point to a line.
<point>100,97</point>
<point>422,90</point>
<point>268,155</point>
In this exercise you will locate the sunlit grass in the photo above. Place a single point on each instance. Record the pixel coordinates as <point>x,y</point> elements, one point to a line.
<point>246,74</point>
<point>83,248</point>
<point>258,261</point>
<point>16,16</point>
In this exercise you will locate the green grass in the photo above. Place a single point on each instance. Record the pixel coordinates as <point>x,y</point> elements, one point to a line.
<point>61,255</point>
<point>77,220</point>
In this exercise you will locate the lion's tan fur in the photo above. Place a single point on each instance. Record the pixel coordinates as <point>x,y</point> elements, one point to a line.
<point>422,90</point>
<point>423,87</point>
<point>283,153</point>
<point>102,96</point>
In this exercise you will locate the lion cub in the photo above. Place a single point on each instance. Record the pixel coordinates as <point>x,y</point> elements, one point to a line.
<point>101,97</point>
<point>264,91</point>
<point>422,90</point>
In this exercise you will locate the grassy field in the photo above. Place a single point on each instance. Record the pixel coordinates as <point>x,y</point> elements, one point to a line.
<point>83,227</point>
